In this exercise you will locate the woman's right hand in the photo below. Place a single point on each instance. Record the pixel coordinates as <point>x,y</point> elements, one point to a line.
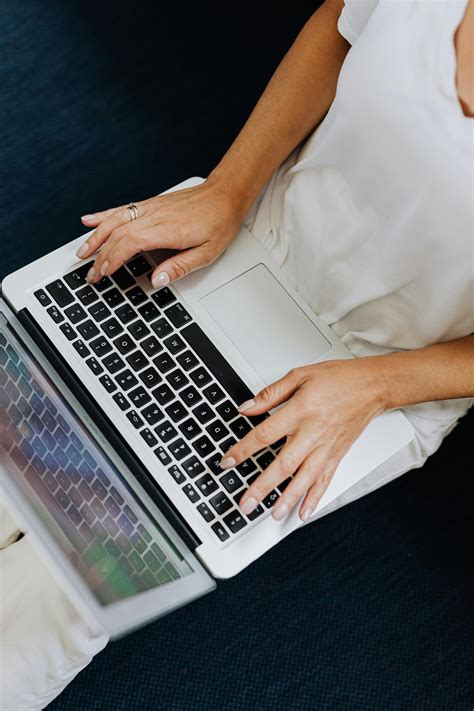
<point>200,222</point>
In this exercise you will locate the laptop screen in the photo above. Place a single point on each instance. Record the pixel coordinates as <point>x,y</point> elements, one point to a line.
<point>79,494</point>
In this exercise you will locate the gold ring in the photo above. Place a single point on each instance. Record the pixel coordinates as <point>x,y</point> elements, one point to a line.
<point>132,211</point>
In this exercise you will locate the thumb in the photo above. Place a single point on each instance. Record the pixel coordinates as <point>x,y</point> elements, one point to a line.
<point>179,265</point>
<point>272,395</point>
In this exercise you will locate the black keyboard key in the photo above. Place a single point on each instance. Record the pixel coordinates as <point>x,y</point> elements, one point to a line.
<point>99,311</point>
<point>203,446</point>
<point>123,278</point>
<point>77,278</point>
<point>113,298</point>
<point>112,327</point>
<point>240,427</point>
<point>191,493</point>
<point>126,380</point>
<point>177,379</point>
<point>163,394</point>
<point>150,377</point>
<point>217,364</point>
<point>227,444</point>
<point>187,360</point>
<point>81,348</point>
<point>271,499</point>
<point>235,521</point>
<point>163,456</point>
<point>88,329</point>
<point>121,401</point>
<point>139,266</point>
<point>227,411</point>
<point>42,297</point>
<point>125,313</point>
<point>68,331</point>
<point>55,314</point>
<point>60,293</point>
<point>247,467</point>
<point>213,393</point>
<point>213,463</point>
<point>135,419</point>
<point>200,377</point>
<point>164,362</point>
<point>190,428</point>
<point>136,296</point>
<point>113,363</point>
<point>152,414</point>
<point>151,346</point>
<point>139,397</point>
<point>162,327</point>
<point>178,315</point>
<point>107,383</point>
<point>206,484</point>
<point>164,297</point>
<point>265,459</point>
<point>166,431</point>
<point>217,430</point>
<point>139,330</point>
<point>220,503</point>
<point>87,295</point>
<point>190,396</point>
<point>192,466</point>
<point>175,344</point>
<point>231,482</point>
<point>75,313</point>
<point>206,512</point>
<point>137,361</point>
<point>149,437</point>
<point>95,366</point>
<point>124,344</point>
<point>176,411</point>
<point>220,531</point>
<point>103,284</point>
<point>255,513</point>
<point>177,474</point>
<point>203,413</point>
<point>179,449</point>
<point>283,484</point>
<point>100,346</point>
<point>148,311</point>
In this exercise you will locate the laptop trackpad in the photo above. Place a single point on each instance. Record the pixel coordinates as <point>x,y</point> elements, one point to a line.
<point>265,324</point>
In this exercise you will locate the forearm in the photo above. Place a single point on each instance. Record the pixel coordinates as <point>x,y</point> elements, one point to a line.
<point>438,372</point>
<point>294,102</point>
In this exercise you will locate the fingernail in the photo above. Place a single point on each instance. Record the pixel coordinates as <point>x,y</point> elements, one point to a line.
<point>228,462</point>
<point>306,514</point>
<point>82,250</point>
<point>90,274</point>
<point>88,218</point>
<point>160,279</point>
<point>249,505</point>
<point>280,511</point>
<point>246,405</point>
<point>104,268</point>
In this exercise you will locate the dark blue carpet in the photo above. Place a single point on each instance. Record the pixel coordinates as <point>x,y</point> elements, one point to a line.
<point>368,609</point>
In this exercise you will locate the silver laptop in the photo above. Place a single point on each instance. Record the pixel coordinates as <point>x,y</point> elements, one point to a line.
<point>117,403</point>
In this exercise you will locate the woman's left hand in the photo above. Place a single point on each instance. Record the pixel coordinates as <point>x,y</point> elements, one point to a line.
<point>327,406</point>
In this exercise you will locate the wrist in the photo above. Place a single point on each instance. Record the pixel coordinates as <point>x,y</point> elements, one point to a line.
<point>240,191</point>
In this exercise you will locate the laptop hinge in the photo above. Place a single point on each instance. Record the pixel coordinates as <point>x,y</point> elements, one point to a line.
<point>109,431</point>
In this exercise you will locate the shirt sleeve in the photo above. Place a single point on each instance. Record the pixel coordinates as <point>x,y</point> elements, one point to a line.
<point>354,17</point>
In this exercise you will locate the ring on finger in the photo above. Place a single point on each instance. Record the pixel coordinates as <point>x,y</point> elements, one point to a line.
<point>132,211</point>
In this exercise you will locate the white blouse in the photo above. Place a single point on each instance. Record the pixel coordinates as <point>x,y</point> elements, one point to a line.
<point>371,218</point>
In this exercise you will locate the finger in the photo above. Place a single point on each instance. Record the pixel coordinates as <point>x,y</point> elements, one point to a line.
<point>304,478</point>
<point>283,466</point>
<point>181,264</point>
<point>111,219</point>
<point>97,217</point>
<point>317,490</point>
<point>273,394</point>
<point>273,428</point>
<point>124,242</point>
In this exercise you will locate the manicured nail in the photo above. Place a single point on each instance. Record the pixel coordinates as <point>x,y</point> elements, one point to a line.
<point>246,405</point>
<point>249,505</point>
<point>306,514</point>
<point>91,274</point>
<point>88,218</point>
<point>104,268</point>
<point>160,280</point>
<point>280,511</point>
<point>228,462</point>
<point>82,251</point>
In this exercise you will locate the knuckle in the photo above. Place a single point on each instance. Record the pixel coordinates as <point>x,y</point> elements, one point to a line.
<point>262,433</point>
<point>180,268</point>
<point>288,462</point>
<point>266,394</point>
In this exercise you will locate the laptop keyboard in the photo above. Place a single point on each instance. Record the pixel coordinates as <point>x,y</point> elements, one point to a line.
<point>169,380</point>
<point>104,524</point>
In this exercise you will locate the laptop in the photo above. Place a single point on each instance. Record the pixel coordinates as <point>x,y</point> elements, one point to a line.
<point>117,403</point>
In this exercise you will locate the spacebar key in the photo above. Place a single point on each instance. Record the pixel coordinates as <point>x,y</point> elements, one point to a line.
<point>217,364</point>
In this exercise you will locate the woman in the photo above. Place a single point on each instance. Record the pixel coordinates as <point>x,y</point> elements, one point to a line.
<point>371,219</point>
